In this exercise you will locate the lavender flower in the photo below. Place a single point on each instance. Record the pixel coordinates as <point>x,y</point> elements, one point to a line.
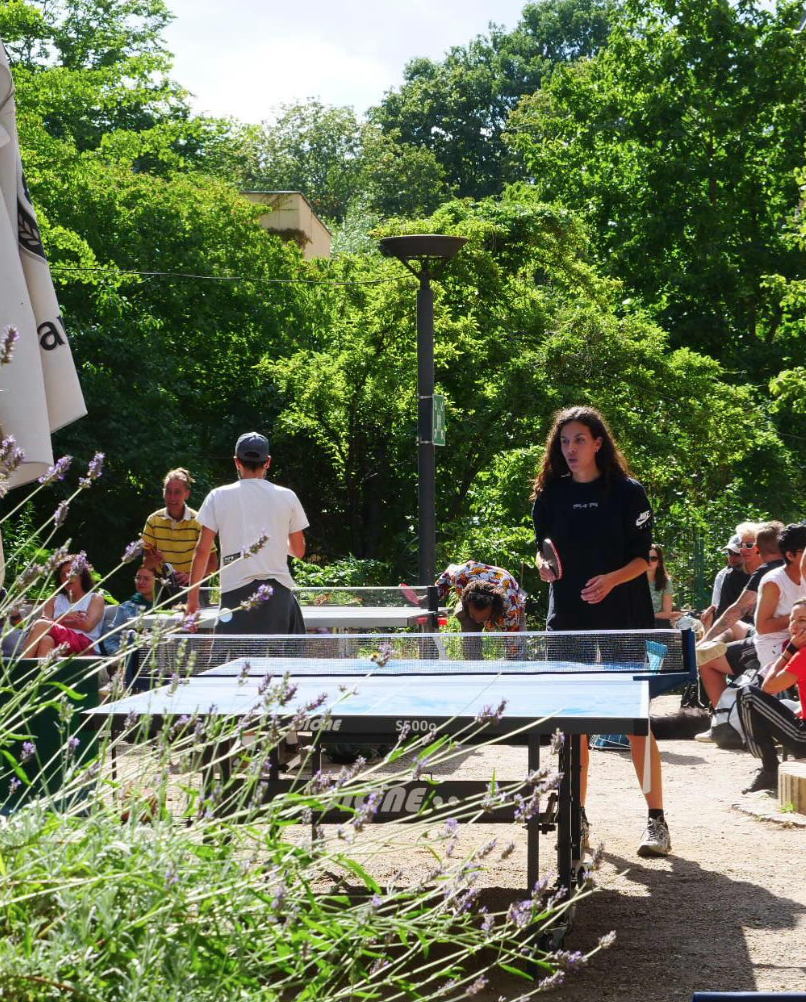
<point>520,913</point>
<point>383,654</point>
<point>28,751</point>
<point>507,850</point>
<point>606,941</point>
<point>478,985</point>
<point>451,826</point>
<point>420,766</point>
<point>94,470</point>
<point>10,455</point>
<point>488,924</point>
<point>8,339</point>
<point>56,472</point>
<point>132,551</point>
<point>72,744</point>
<point>170,878</point>
<point>14,785</point>
<point>257,546</point>
<point>263,594</point>
<point>487,714</point>
<point>79,564</point>
<point>190,621</point>
<point>56,559</point>
<point>243,674</point>
<point>30,574</point>
<point>60,515</point>
<point>131,720</point>
<point>569,961</point>
<point>553,981</point>
<point>367,811</point>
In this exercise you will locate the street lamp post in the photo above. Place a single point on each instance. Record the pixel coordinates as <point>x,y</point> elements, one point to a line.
<point>425,256</point>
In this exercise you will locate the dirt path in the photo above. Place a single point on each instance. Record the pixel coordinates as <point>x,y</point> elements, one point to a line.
<point>725,912</point>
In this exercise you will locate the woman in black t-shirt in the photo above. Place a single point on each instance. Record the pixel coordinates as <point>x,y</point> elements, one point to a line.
<point>600,521</point>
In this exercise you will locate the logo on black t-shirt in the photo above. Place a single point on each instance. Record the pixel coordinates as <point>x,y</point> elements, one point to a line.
<point>589,504</point>
<point>642,518</point>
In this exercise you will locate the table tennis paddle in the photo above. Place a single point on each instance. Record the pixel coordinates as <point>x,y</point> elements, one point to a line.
<point>552,558</point>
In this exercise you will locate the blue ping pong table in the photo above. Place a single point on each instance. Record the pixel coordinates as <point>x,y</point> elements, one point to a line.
<point>372,704</point>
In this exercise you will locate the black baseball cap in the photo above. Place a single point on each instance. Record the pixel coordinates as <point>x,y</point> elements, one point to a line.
<point>252,447</point>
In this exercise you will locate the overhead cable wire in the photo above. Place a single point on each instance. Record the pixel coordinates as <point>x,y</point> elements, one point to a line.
<point>114,272</point>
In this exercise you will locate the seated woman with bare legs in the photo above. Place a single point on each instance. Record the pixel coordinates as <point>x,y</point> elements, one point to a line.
<point>72,617</point>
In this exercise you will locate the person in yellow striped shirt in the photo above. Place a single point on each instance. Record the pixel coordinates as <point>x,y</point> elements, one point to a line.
<point>170,533</point>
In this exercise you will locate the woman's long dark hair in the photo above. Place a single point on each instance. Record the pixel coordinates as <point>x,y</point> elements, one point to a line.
<point>609,459</point>
<point>84,575</point>
<point>661,577</point>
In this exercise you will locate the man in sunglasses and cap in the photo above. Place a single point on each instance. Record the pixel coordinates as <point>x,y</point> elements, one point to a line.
<point>258,524</point>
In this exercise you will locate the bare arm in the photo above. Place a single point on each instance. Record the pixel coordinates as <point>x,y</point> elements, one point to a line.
<point>201,558</point>
<point>765,620</point>
<point>296,544</point>
<point>743,605</point>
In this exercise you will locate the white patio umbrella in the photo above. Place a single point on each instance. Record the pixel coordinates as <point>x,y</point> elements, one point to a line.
<point>39,388</point>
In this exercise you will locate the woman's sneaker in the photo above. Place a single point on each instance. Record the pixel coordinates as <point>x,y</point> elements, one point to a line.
<point>656,840</point>
<point>584,831</point>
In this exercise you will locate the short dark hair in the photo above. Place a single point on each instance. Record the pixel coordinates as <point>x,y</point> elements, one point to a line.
<point>792,538</point>
<point>483,594</point>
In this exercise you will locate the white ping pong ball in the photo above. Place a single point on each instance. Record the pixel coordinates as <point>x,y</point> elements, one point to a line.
<point>225,615</point>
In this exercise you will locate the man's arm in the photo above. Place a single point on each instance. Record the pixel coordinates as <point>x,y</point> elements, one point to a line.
<point>743,605</point>
<point>201,558</point>
<point>766,621</point>
<point>296,544</point>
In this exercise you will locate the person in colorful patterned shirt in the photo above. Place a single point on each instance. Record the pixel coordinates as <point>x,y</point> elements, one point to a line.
<point>489,597</point>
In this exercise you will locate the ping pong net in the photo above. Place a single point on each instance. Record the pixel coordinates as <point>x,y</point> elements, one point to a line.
<point>636,652</point>
<point>377,597</point>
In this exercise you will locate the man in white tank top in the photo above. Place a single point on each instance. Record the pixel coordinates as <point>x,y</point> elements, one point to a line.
<point>779,590</point>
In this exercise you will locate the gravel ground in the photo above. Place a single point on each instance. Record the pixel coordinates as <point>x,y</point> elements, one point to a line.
<point>725,912</point>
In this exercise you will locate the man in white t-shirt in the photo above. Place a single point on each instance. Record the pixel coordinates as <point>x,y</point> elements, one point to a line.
<point>242,514</point>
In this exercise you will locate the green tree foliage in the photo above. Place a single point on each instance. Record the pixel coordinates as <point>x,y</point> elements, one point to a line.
<point>336,159</point>
<point>524,325</point>
<point>678,142</point>
<point>457,108</point>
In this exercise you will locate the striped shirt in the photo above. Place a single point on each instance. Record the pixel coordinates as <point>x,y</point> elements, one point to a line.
<point>176,540</point>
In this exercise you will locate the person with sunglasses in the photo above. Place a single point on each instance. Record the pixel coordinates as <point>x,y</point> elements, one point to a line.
<point>660,588</point>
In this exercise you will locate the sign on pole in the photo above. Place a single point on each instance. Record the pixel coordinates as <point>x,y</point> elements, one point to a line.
<point>438,430</point>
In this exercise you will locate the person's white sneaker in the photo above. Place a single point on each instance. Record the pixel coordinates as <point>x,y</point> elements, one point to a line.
<point>706,737</point>
<point>656,840</point>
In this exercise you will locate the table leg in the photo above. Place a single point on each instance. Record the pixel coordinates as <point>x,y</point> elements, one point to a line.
<point>533,824</point>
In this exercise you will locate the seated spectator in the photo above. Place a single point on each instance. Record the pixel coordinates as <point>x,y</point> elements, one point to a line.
<point>489,597</point>
<point>171,533</point>
<point>766,719</point>
<point>660,587</point>
<point>775,592</point>
<point>73,616</point>
<point>729,582</point>
<point>145,583</point>
<point>759,543</point>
